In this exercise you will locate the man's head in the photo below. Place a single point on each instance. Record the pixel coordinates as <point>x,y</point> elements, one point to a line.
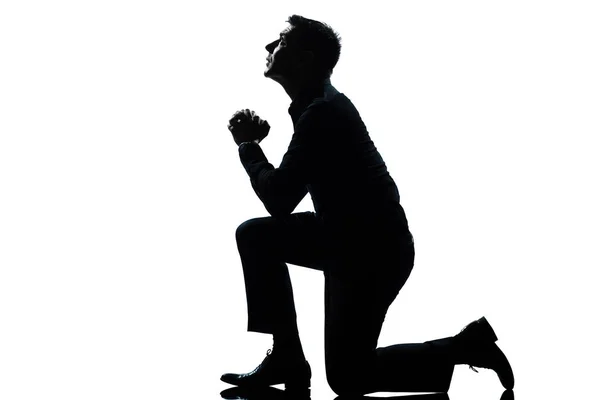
<point>306,49</point>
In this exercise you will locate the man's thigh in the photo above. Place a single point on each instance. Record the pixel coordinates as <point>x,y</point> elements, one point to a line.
<point>356,305</point>
<point>297,239</point>
<point>354,312</point>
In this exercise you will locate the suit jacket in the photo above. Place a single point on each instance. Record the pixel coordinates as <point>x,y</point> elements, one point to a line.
<point>332,157</point>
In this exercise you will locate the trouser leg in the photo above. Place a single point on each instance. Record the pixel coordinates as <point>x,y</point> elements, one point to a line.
<point>355,309</point>
<point>359,288</point>
<point>265,245</point>
<point>417,367</point>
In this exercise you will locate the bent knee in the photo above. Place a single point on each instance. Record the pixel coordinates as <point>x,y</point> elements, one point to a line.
<point>344,386</point>
<point>246,229</point>
<point>250,229</point>
<point>347,379</point>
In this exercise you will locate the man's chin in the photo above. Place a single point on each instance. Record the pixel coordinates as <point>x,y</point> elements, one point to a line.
<point>269,75</point>
<point>273,75</point>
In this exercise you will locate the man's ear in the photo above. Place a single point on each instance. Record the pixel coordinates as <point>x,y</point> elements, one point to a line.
<point>307,58</point>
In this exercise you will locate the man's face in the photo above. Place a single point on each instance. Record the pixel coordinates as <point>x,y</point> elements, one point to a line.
<point>281,58</point>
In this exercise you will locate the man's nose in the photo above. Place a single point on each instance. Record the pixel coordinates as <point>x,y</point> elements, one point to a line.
<point>271,46</point>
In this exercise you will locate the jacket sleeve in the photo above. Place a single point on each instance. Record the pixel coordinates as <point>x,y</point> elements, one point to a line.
<point>281,189</point>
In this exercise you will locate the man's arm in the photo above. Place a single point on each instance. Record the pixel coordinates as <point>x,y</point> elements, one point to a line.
<point>281,189</point>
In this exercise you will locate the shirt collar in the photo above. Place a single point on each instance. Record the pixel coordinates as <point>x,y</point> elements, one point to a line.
<point>306,96</point>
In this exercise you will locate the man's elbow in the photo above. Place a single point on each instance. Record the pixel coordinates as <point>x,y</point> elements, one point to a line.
<point>279,210</point>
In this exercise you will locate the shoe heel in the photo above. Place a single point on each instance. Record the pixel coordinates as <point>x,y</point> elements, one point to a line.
<point>297,385</point>
<point>486,330</point>
<point>299,382</point>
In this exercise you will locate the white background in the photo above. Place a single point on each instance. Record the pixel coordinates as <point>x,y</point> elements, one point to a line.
<point>121,188</point>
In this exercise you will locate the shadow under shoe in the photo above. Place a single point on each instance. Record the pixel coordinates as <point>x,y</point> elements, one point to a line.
<point>274,370</point>
<point>432,396</point>
<point>477,348</point>
<point>506,395</point>
<point>265,393</point>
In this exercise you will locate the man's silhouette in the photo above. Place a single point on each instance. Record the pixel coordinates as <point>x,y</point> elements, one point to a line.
<point>358,236</point>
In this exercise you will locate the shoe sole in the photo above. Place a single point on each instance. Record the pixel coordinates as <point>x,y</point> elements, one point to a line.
<point>292,384</point>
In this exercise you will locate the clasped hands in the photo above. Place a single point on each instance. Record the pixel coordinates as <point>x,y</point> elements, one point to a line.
<point>246,126</point>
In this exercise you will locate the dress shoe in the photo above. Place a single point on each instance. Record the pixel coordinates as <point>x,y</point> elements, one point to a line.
<point>476,347</point>
<point>274,370</point>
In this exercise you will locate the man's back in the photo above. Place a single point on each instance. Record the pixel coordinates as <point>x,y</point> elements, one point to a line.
<point>349,180</point>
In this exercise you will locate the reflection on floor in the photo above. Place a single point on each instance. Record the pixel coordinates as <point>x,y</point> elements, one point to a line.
<point>272,393</point>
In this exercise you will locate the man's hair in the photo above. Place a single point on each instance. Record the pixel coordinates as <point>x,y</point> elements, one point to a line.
<point>319,38</point>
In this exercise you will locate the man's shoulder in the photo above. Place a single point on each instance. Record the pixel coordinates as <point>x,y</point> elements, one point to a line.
<point>330,98</point>
<point>334,105</point>
<point>319,109</point>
